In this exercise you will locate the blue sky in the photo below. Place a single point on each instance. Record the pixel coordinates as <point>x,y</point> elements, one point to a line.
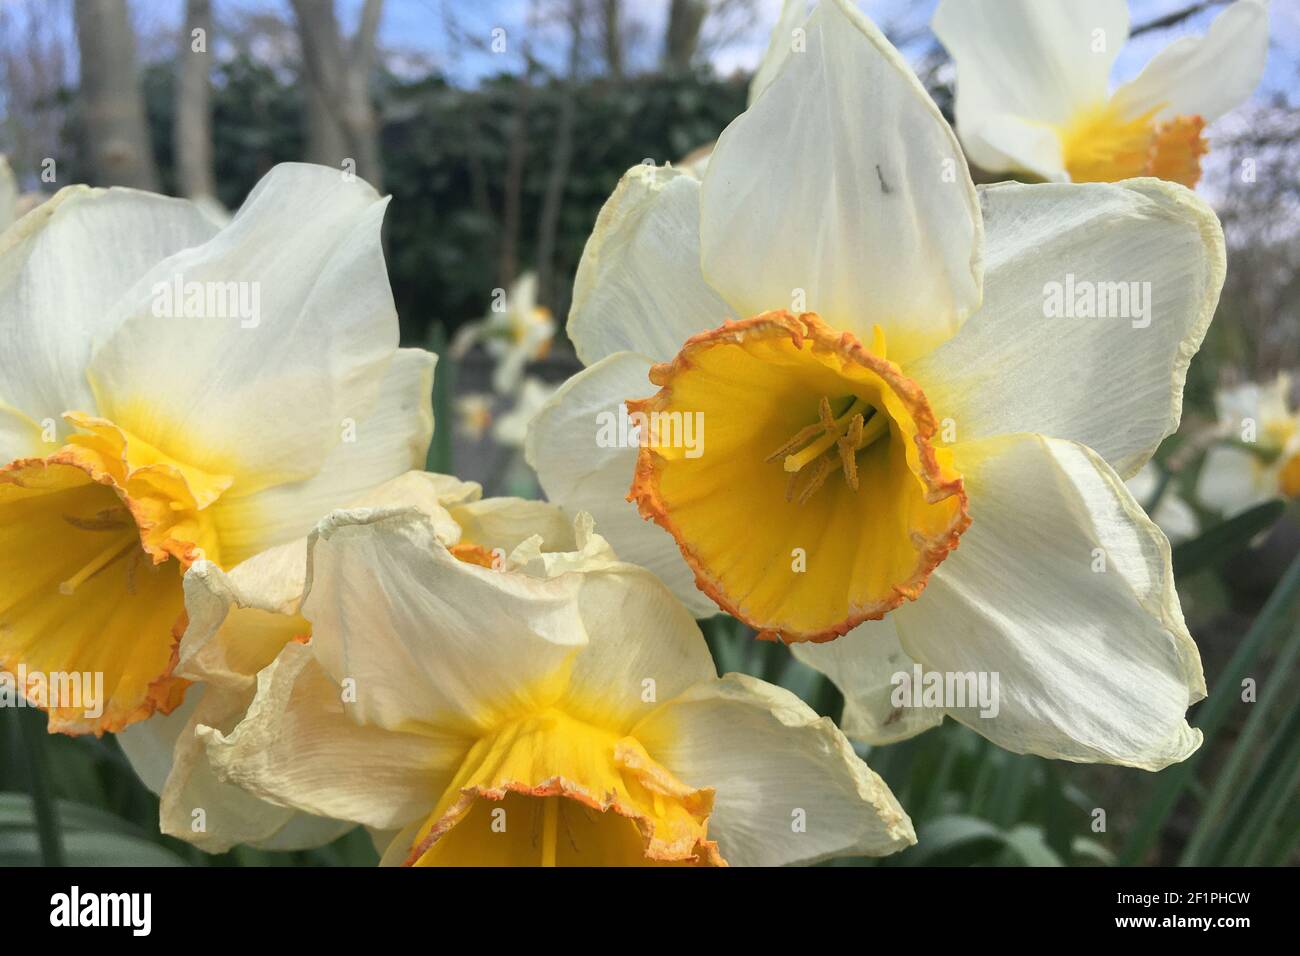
<point>417,26</point>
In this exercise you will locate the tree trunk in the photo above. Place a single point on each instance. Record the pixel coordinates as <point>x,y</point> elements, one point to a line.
<point>553,200</point>
<point>612,37</point>
<point>193,130</point>
<point>117,131</point>
<point>341,124</point>
<point>685,20</point>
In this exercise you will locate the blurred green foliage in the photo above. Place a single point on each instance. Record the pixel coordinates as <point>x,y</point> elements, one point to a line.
<point>446,152</point>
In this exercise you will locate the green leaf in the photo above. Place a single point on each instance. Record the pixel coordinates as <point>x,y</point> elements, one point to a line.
<point>1028,845</point>
<point>1232,780</point>
<point>955,841</point>
<point>1087,851</point>
<point>1225,539</point>
<point>1211,713</point>
<point>90,837</point>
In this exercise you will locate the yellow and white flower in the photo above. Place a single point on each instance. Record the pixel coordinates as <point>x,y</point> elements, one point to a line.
<point>1260,457</point>
<point>875,379</point>
<point>474,414</point>
<point>515,331</point>
<point>172,391</point>
<point>240,621</point>
<point>561,710</point>
<point>1033,94</point>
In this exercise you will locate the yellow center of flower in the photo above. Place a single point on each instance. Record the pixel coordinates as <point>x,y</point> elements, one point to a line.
<point>547,789</point>
<point>1101,144</point>
<point>792,412</point>
<point>85,600</point>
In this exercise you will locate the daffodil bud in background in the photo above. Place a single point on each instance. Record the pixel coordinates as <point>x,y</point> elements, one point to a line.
<point>175,392</point>
<point>1033,90</point>
<point>878,420</point>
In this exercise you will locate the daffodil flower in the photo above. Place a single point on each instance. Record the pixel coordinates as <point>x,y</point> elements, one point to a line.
<point>861,362</point>
<point>561,710</point>
<point>474,415</point>
<point>515,331</point>
<point>174,392</point>
<point>1260,457</point>
<point>238,623</point>
<point>1033,96</point>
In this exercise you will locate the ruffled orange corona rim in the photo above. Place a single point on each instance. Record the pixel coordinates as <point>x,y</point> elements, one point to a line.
<point>549,790</point>
<point>798,473</point>
<point>90,617</point>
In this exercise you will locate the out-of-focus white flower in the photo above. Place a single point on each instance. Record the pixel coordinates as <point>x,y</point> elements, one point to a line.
<point>1033,94</point>
<point>1260,459</point>
<point>852,381</point>
<point>512,428</point>
<point>173,392</point>
<point>515,331</point>
<point>562,709</point>
<point>474,415</point>
<point>1175,516</point>
<point>240,621</point>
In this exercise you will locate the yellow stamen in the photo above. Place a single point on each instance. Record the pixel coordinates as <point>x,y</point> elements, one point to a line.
<point>848,446</point>
<point>113,552</point>
<point>817,478</point>
<point>804,434</point>
<point>832,429</point>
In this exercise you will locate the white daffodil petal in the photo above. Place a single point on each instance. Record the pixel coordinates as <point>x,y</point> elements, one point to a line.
<point>22,437</point>
<point>195,806</point>
<point>1063,589</point>
<point>239,620</point>
<point>294,332</point>
<point>1113,383</point>
<point>644,648</point>
<point>576,445</point>
<point>866,664</point>
<point>779,46</point>
<point>213,815</point>
<point>378,443</point>
<point>1233,480</point>
<point>1038,62</point>
<point>505,523</point>
<point>806,205</point>
<point>387,604</point>
<point>789,787</point>
<point>1204,76</point>
<point>150,744</point>
<point>1004,142</point>
<point>639,286</point>
<point>297,735</point>
<point>64,267</point>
